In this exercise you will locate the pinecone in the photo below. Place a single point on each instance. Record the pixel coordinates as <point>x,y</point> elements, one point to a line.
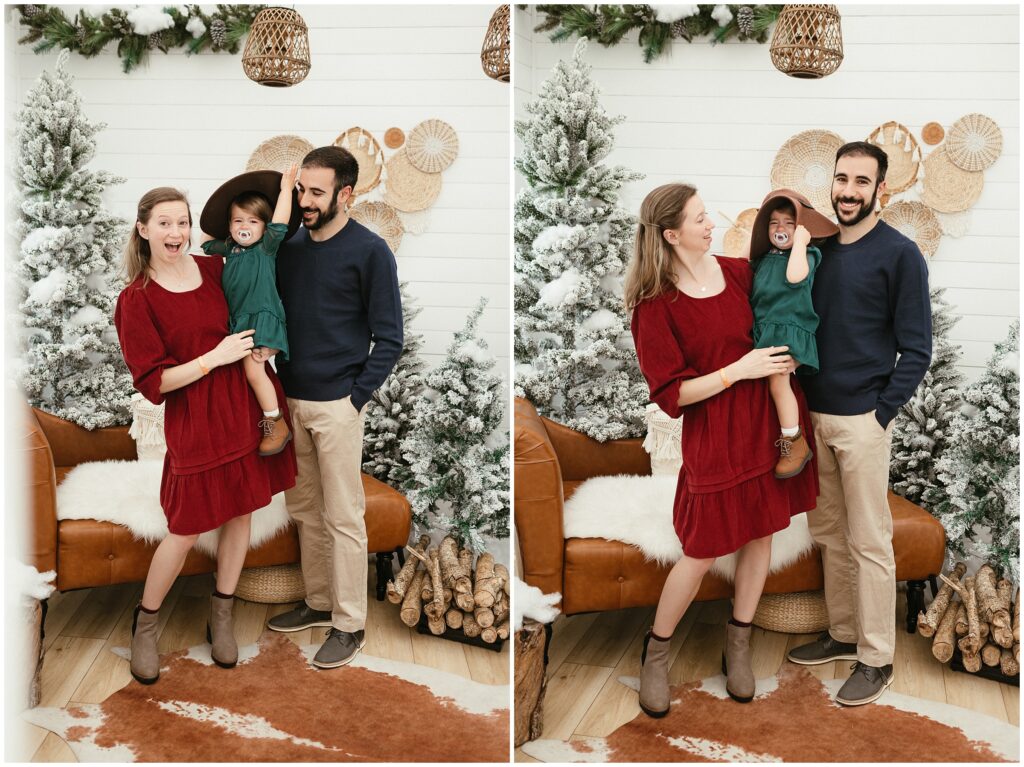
<point>678,28</point>
<point>745,20</point>
<point>154,40</point>
<point>31,11</point>
<point>218,32</point>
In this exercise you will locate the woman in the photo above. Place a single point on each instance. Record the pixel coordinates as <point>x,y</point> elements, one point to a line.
<point>692,328</point>
<point>172,322</point>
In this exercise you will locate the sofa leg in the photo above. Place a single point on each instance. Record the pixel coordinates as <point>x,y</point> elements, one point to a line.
<point>400,551</point>
<point>548,631</point>
<point>385,573</point>
<point>915,603</point>
<point>934,584</point>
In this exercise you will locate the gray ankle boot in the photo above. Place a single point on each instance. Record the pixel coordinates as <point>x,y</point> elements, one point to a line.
<point>654,693</point>
<point>220,632</point>
<point>145,663</point>
<point>736,664</point>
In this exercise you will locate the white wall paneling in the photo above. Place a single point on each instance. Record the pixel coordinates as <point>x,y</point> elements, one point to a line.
<point>715,115</point>
<point>193,121</point>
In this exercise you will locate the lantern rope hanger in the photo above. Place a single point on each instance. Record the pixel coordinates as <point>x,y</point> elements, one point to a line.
<point>277,51</point>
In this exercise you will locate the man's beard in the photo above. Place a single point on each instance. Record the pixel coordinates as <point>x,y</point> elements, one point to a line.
<point>323,217</point>
<point>865,209</point>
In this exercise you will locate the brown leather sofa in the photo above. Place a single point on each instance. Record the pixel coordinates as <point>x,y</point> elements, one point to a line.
<point>87,553</point>
<point>593,574</point>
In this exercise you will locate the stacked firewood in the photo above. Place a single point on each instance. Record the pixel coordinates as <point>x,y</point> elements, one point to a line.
<point>979,615</point>
<point>451,592</point>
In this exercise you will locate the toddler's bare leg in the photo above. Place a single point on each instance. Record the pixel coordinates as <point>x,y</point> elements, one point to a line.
<point>785,400</point>
<point>261,384</point>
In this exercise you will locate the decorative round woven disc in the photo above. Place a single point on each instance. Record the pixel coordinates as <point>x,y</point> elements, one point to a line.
<point>806,163</point>
<point>904,155</point>
<point>278,153</point>
<point>954,224</point>
<point>380,218</point>
<point>432,146</point>
<point>948,188</point>
<point>974,142</point>
<point>409,188</point>
<point>415,223</point>
<point>933,133</point>
<point>394,138</point>
<point>738,236</point>
<point>916,221</point>
<point>366,150</point>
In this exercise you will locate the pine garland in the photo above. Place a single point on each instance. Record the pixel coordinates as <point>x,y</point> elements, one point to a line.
<point>138,31</point>
<point>608,24</point>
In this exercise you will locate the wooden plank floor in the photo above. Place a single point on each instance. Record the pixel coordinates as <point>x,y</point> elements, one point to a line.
<point>589,653</point>
<point>82,627</point>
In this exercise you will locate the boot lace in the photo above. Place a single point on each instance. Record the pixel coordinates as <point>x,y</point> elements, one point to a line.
<point>267,425</point>
<point>785,445</point>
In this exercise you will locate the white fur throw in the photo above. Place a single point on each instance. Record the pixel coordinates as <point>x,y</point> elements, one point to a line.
<point>128,493</point>
<point>531,602</point>
<point>638,511</point>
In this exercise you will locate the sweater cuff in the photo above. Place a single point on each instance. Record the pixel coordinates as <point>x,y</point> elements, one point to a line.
<point>360,398</point>
<point>884,415</point>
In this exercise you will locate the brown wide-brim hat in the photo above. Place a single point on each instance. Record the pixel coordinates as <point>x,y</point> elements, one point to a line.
<point>214,219</point>
<point>806,215</point>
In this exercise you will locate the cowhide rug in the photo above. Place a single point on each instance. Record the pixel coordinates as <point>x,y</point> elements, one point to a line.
<point>793,719</point>
<point>275,707</point>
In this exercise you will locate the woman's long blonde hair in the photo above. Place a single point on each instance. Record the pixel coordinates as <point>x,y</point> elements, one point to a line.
<point>651,270</point>
<point>137,253</point>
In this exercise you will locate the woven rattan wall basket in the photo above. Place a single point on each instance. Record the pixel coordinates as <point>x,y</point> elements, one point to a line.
<point>495,51</point>
<point>807,41</point>
<point>277,51</point>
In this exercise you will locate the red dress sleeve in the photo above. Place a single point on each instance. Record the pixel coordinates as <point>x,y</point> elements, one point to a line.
<point>660,356</point>
<point>141,346</point>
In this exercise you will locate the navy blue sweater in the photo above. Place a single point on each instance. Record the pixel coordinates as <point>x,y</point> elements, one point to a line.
<point>339,296</point>
<point>872,298</point>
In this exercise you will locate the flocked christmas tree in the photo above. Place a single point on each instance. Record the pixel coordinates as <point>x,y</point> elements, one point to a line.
<point>979,500</point>
<point>575,356</point>
<point>921,433</point>
<point>71,363</point>
<point>389,416</point>
<point>460,467</point>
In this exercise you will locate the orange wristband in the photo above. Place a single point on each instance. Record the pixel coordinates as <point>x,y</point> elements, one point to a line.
<point>202,365</point>
<point>727,383</point>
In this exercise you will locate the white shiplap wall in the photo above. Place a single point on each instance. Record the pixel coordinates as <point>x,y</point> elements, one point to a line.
<point>715,115</point>
<point>193,121</point>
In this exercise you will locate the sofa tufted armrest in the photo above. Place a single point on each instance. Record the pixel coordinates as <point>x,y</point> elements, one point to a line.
<point>40,500</point>
<point>538,501</point>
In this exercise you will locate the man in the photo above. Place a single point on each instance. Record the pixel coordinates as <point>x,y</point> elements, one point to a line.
<point>339,285</point>
<point>874,348</point>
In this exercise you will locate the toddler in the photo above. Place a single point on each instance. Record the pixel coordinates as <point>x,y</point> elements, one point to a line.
<point>249,281</point>
<point>784,262</point>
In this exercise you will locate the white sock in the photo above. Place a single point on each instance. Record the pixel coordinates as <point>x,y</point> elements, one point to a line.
<point>790,432</point>
<point>272,413</point>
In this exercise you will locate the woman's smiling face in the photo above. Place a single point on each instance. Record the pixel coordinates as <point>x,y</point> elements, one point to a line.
<point>168,231</point>
<point>694,233</point>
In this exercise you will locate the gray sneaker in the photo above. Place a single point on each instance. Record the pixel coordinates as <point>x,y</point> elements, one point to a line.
<point>824,649</point>
<point>339,648</point>
<point>302,617</point>
<point>865,684</point>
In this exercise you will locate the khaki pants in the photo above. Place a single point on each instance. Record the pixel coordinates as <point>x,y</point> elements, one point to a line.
<point>853,527</point>
<point>327,506</point>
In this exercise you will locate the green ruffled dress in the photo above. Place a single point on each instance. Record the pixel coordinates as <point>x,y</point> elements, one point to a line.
<point>250,286</point>
<point>783,312</point>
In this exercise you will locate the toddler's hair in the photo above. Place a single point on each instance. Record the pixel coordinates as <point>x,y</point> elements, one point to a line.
<point>255,203</point>
<point>786,206</point>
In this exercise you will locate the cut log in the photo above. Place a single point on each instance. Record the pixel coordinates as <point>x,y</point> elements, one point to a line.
<point>500,571</point>
<point>928,621</point>
<point>1016,615</point>
<point>971,642</point>
<point>529,681</point>
<point>985,583</point>
<point>410,613</point>
<point>396,589</point>
<point>971,661</point>
<point>990,654</point>
<point>1007,663</point>
<point>489,634</point>
<point>503,630</point>
<point>961,621</point>
<point>484,616</point>
<point>501,608</point>
<point>486,585</point>
<point>454,618</point>
<point>1002,621</point>
<point>470,627</point>
<point>449,557</point>
<point>942,643</point>
<point>436,606</point>
<point>436,625</point>
<point>464,586</point>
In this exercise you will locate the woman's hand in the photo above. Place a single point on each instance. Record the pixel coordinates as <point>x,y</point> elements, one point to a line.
<point>760,363</point>
<point>231,349</point>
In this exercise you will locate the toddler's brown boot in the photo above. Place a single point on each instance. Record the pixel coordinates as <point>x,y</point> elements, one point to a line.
<point>276,435</point>
<point>795,453</point>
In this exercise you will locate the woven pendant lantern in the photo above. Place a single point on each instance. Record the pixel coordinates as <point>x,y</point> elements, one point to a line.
<point>495,51</point>
<point>807,41</point>
<point>277,51</point>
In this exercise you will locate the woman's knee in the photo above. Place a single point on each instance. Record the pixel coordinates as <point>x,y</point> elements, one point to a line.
<point>185,542</point>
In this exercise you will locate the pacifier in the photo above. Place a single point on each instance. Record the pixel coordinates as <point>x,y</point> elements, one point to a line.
<point>780,238</point>
<point>244,235</point>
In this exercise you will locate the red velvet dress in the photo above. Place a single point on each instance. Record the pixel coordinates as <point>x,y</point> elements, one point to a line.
<point>727,493</point>
<point>212,470</point>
